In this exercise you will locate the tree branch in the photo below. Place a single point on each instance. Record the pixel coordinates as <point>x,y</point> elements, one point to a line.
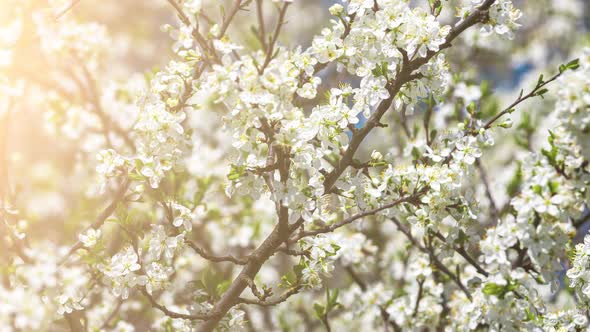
<point>213,258</point>
<point>101,218</point>
<point>171,313</point>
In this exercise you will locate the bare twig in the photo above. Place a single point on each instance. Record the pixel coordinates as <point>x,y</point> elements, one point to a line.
<point>217,259</point>
<point>484,179</point>
<point>418,297</point>
<point>261,25</point>
<point>271,45</point>
<point>521,98</point>
<point>112,315</point>
<point>229,18</point>
<point>207,48</point>
<point>432,256</point>
<point>171,313</point>
<point>333,227</point>
<point>101,217</point>
<point>67,9</point>
<point>272,302</point>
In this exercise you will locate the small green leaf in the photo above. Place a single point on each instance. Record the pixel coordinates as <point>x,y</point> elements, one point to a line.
<point>222,287</point>
<point>331,299</point>
<point>572,65</point>
<point>492,289</point>
<point>319,310</point>
<point>554,186</point>
<point>541,92</point>
<point>515,182</point>
<point>236,172</point>
<point>471,108</point>
<point>540,81</point>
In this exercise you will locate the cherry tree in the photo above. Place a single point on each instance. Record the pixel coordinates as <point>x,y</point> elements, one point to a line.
<point>381,173</point>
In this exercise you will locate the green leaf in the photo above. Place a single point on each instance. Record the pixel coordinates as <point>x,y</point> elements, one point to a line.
<point>319,310</point>
<point>497,290</point>
<point>463,237</point>
<point>571,254</point>
<point>492,289</point>
<point>297,269</point>
<point>551,155</point>
<point>515,182</point>
<point>222,287</point>
<point>572,65</point>
<point>471,108</point>
<point>541,92</point>
<point>554,186</point>
<point>433,134</point>
<point>435,7</point>
<point>236,172</point>
<point>209,280</point>
<point>332,299</point>
<point>540,81</point>
<point>529,315</point>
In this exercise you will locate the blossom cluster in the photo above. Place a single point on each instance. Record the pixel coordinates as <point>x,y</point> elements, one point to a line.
<point>356,182</point>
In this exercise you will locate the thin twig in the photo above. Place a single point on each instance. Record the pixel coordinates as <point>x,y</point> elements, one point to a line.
<point>333,227</point>
<point>171,313</point>
<point>101,217</point>
<point>275,36</point>
<point>261,25</point>
<point>213,258</point>
<point>272,302</point>
<point>520,99</point>
<point>418,297</point>
<point>432,256</point>
<point>484,179</point>
<point>67,9</point>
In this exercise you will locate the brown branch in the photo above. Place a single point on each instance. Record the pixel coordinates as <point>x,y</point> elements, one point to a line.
<point>484,179</point>
<point>419,297</point>
<point>405,75</point>
<point>101,217</point>
<point>261,25</point>
<point>522,98</point>
<point>170,313</point>
<point>294,252</point>
<point>111,316</point>
<point>228,19</point>
<point>266,292</point>
<point>107,122</point>
<point>181,15</point>
<point>275,36</point>
<point>432,256</point>
<point>333,227</point>
<point>74,321</point>
<point>272,302</point>
<point>217,259</point>
<point>195,32</point>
